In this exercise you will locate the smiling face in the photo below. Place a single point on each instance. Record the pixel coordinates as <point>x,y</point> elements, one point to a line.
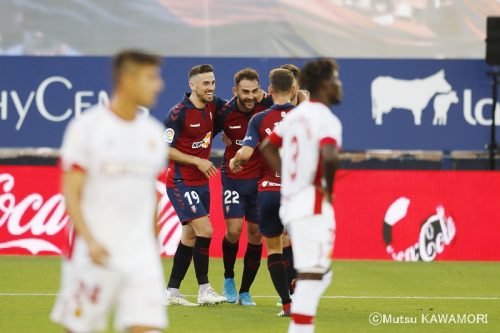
<point>203,86</point>
<point>246,91</point>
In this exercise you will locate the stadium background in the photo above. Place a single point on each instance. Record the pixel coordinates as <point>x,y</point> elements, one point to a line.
<point>54,62</point>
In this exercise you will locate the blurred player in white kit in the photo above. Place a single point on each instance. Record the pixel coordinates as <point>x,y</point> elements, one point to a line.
<point>111,157</point>
<point>310,136</point>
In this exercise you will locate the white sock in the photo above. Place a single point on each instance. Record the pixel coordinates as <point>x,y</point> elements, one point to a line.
<point>300,328</point>
<point>174,291</point>
<point>203,287</point>
<point>305,303</point>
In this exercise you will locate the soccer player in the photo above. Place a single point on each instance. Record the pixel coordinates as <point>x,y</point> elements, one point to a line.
<point>110,158</point>
<point>260,126</point>
<point>239,190</point>
<point>310,138</point>
<point>190,129</point>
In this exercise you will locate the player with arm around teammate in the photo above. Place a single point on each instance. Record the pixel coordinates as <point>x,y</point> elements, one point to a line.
<point>260,126</point>
<point>189,131</point>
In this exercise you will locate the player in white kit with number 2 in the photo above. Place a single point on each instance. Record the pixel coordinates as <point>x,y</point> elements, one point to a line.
<point>310,136</point>
<point>111,157</point>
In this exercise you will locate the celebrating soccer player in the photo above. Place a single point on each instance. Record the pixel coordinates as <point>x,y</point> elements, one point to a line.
<point>190,129</point>
<point>239,190</point>
<point>260,126</point>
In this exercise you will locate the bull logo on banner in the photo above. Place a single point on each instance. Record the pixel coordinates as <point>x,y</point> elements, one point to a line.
<point>436,233</point>
<point>389,94</point>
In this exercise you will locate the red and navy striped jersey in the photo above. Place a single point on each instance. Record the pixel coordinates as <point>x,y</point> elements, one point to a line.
<point>191,131</point>
<point>235,124</point>
<point>261,126</point>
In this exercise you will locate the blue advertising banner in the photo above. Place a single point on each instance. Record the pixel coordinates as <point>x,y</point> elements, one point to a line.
<point>388,103</point>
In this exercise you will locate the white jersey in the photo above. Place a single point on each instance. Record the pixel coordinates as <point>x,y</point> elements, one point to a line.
<point>302,134</point>
<point>121,160</point>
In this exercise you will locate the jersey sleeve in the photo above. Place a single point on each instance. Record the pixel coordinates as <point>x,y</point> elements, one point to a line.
<point>75,152</point>
<point>331,133</point>
<point>252,135</point>
<point>174,122</point>
<point>220,118</point>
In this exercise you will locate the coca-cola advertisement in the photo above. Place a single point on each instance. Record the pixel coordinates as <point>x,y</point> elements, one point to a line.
<point>387,215</point>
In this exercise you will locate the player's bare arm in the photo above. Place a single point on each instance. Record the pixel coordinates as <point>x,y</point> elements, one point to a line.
<point>271,154</point>
<point>241,157</point>
<point>73,181</point>
<point>331,163</point>
<point>205,166</point>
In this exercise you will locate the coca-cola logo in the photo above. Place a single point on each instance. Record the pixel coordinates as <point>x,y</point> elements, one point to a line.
<point>38,223</point>
<point>436,233</point>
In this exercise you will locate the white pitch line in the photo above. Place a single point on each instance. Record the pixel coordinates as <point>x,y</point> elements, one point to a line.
<point>460,298</point>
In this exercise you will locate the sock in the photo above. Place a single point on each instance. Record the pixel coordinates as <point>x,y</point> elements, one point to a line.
<point>182,260</point>
<point>299,324</point>
<point>203,287</point>
<point>305,303</point>
<point>291,272</point>
<point>251,265</point>
<point>200,259</point>
<point>278,276</point>
<point>229,253</point>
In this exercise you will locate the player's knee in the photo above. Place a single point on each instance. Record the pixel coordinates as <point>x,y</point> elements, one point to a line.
<point>233,235</point>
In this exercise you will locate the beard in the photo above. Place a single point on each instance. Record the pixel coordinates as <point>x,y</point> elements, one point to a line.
<point>244,102</point>
<point>203,97</point>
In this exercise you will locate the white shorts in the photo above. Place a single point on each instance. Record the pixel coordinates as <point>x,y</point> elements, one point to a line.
<point>89,292</point>
<point>312,240</point>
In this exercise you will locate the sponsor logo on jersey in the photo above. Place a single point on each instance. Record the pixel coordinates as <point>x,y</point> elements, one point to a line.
<point>270,184</point>
<point>169,134</point>
<point>205,143</point>
<point>240,142</point>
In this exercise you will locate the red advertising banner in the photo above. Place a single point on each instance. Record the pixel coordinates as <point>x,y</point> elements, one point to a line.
<point>388,215</point>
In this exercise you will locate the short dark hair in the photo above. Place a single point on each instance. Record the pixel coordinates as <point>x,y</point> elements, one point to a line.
<point>200,69</point>
<point>292,68</point>
<point>246,74</point>
<point>316,72</point>
<point>281,80</point>
<point>121,59</point>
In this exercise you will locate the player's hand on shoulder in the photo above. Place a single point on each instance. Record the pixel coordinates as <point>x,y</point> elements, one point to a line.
<point>97,252</point>
<point>206,167</point>
<point>235,166</point>
<point>225,139</point>
<point>302,95</point>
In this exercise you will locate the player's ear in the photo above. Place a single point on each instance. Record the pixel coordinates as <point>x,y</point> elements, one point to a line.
<point>235,91</point>
<point>293,91</point>
<point>271,90</point>
<point>192,85</point>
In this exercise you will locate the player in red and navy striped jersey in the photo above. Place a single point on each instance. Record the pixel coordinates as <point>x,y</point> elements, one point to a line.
<point>189,131</point>
<point>261,125</point>
<point>239,190</point>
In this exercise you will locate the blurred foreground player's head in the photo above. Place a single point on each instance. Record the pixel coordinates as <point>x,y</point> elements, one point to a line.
<point>246,89</point>
<point>281,85</point>
<point>321,78</point>
<point>137,77</point>
<point>202,82</point>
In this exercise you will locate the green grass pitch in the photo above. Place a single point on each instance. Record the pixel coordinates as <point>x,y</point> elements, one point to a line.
<point>359,288</point>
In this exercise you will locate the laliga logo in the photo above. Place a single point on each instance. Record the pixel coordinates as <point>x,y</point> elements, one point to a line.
<point>437,232</point>
<point>48,220</point>
<point>389,93</point>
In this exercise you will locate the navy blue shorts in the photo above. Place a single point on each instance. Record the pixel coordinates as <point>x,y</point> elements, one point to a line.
<point>190,202</point>
<point>239,198</point>
<point>269,218</point>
